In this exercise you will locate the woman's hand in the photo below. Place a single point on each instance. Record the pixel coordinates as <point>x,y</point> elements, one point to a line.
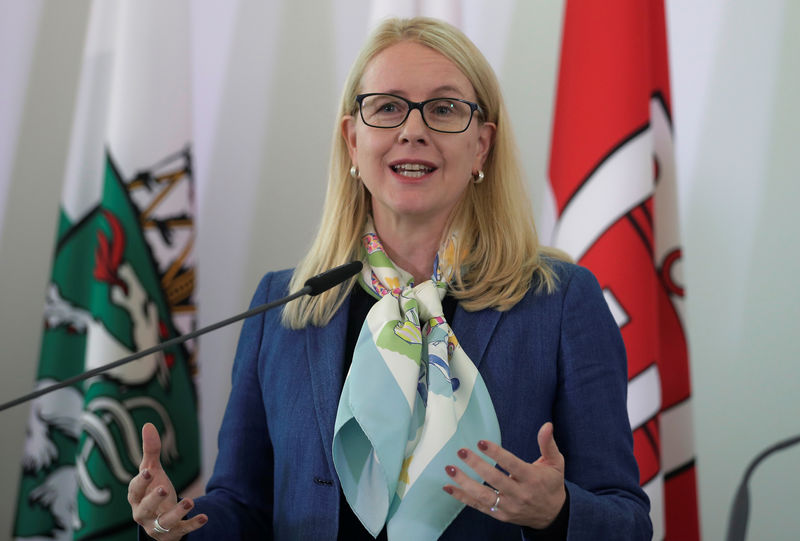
<point>532,495</point>
<point>152,496</point>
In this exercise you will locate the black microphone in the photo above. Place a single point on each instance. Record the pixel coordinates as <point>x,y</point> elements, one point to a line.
<point>313,286</point>
<point>326,280</point>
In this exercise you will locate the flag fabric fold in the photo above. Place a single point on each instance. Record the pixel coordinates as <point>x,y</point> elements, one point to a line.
<point>612,173</point>
<point>122,281</point>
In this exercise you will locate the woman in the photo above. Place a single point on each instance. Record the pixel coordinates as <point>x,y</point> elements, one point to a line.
<point>464,344</point>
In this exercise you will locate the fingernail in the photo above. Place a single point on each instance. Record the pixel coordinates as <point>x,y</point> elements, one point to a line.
<point>146,474</point>
<point>202,520</point>
<point>462,453</point>
<point>451,471</point>
<point>186,504</point>
<point>449,490</point>
<point>482,445</point>
<point>161,491</point>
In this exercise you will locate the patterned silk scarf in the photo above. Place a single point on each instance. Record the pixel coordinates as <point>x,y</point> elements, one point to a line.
<point>411,399</point>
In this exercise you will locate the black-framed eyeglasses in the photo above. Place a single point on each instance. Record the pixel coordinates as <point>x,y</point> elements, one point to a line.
<point>446,115</point>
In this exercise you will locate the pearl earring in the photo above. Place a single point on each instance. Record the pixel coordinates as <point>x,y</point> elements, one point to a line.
<point>477,179</point>
<point>354,172</point>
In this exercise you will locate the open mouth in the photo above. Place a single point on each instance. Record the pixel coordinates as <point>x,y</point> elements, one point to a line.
<point>412,170</point>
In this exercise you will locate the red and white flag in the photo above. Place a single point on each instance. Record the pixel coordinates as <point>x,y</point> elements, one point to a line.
<point>612,172</point>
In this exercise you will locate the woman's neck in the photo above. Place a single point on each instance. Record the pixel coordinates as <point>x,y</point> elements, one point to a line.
<point>411,246</point>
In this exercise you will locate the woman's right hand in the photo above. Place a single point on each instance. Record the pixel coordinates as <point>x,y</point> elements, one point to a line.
<point>152,495</point>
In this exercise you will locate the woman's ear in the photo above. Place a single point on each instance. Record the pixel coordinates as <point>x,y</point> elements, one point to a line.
<point>349,135</point>
<point>485,140</point>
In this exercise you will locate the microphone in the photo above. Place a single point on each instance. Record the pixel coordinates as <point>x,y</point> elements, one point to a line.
<point>313,286</point>
<point>335,276</point>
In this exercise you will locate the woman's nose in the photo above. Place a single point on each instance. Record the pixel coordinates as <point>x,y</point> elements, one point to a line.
<point>414,128</point>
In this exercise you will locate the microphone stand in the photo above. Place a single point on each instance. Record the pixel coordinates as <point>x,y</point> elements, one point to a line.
<point>737,522</point>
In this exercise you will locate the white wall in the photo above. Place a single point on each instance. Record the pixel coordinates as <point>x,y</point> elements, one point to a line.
<point>267,77</point>
<point>736,79</point>
<point>31,174</point>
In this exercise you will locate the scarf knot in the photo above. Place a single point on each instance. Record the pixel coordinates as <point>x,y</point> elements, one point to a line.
<point>411,399</point>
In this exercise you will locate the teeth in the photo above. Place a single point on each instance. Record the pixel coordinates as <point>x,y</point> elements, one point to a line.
<point>412,169</point>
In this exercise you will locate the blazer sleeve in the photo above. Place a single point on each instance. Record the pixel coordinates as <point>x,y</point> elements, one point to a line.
<point>238,498</point>
<point>591,423</point>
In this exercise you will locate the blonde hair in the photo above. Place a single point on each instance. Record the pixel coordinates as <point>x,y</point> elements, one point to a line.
<point>500,253</point>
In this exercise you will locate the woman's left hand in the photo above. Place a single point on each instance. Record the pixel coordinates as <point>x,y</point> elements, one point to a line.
<point>532,495</point>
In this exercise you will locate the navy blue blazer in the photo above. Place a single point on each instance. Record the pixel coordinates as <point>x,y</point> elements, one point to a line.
<point>556,357</point>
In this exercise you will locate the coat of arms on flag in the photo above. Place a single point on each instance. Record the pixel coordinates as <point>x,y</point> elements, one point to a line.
<point>612,172</point>
<point>121,282</point>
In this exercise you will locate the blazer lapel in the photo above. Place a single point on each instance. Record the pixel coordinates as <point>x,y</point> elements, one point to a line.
<point>325,346</point>
<point>473,330</point>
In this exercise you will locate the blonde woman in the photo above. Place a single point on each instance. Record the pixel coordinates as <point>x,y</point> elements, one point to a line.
<point>469,384</point>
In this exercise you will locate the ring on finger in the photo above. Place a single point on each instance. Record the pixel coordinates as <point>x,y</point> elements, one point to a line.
<point>496,505</point>
<point>158,528</point>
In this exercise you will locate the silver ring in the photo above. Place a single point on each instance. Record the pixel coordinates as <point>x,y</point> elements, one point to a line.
<point>158,528</point>
<point>496,505</point>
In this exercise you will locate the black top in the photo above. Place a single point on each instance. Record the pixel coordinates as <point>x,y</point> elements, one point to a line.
<point>350,528</point>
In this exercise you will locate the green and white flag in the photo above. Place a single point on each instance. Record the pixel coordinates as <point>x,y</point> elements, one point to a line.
<point>122,281</point>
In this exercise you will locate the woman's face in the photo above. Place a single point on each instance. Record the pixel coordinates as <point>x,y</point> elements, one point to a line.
<point>411,171</point>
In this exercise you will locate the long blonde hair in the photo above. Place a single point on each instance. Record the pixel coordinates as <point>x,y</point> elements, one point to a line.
<point>501,255</point>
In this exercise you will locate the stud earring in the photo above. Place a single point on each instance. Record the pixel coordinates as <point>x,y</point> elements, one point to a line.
<point>478,178</point>
<point>354,172</point>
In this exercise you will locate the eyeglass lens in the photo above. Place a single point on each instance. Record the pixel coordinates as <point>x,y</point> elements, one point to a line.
<point>443,114</point>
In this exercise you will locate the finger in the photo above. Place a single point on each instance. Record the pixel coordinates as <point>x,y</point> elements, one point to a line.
<point>471,492</point>
<point>194,523</point>
<point>137,488</point>
<point>151,447</point>
<point>172,519</point>
<point>184,526</point>
<point>515,466</point>
<point>148,507</point>
<point>547,446</point>
<point>482,505</point>
<point>486,471</point>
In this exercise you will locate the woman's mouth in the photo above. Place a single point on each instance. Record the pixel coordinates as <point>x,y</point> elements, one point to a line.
<point>412,170</point>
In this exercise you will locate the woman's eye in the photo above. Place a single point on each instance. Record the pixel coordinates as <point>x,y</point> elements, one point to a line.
<point>386,108</point>
<point>443,108</point>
